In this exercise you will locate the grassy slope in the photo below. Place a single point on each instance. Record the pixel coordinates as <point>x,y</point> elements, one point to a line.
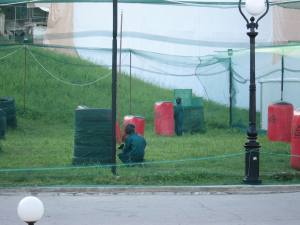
<point>44,137</point>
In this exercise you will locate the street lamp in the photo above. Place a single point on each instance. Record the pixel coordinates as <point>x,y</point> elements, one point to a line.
<point>30,209</point>
<point>255,8</point>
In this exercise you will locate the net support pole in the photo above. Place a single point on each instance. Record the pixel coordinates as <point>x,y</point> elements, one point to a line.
<point>114,84</point>
<point>282,77</point>
<point>230,86</point>
<point>130,83</point>
<point>15,23</point>
<point>25,77</point>
<point>121,34</point>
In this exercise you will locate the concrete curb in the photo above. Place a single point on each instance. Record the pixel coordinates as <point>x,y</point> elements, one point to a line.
<point>132,190</point>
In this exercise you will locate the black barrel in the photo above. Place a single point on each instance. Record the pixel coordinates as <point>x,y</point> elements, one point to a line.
<point>8,105</point>
<point>2,123</point>
<point>93,136</point>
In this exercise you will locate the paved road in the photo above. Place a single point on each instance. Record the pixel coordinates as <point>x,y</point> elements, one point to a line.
<point>159,209</point>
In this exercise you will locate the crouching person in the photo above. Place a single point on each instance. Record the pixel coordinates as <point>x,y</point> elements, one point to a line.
<point>134,148</point>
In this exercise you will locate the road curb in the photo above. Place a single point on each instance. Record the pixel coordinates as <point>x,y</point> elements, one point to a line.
<point>196,190</point>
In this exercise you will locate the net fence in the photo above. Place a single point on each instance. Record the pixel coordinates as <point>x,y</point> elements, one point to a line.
<point>48,86</point>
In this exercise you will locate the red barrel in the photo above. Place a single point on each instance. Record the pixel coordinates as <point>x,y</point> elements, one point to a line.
<point>295,141</point>
<point>164,118</point>
<point>280,117</point>
<point>137,121</point>
<point>118,133</point>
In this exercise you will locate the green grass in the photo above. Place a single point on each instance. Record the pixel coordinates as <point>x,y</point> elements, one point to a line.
<point>42,145</point>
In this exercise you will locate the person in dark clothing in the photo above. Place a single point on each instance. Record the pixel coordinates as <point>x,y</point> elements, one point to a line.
<point>178,117</point>
<point>133,151</point>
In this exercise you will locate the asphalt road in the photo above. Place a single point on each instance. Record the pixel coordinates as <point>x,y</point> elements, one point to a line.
<point>159,209</point>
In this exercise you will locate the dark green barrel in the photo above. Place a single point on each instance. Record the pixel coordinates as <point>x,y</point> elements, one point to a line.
<point>194,116</point>
<point>93,136</point>
<point>8,105</point>
<point>2,123</point>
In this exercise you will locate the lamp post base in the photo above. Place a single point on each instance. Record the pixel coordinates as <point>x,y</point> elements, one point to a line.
<point>30,223</point>
<point>251,182</point>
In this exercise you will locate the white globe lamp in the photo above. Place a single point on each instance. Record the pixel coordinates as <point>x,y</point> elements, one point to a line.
<point>30,209</point>
<point>255,7</point>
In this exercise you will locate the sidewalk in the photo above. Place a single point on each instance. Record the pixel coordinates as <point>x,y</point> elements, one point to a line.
<point>220,189</point>
<point>194,206</point>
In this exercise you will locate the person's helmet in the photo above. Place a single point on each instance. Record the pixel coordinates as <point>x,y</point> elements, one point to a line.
<point>178,100</point>
<point>129,129</point>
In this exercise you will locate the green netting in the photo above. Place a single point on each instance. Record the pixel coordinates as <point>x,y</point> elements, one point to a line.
<point>169,2</point>
<point>193,119</point>
<point>194,116</point>
<point>40,57</point>
<point>189,171</point>
<point>185,95</point>
<point>295,4</point>
<point>197,101</point>
<point>290,49</point>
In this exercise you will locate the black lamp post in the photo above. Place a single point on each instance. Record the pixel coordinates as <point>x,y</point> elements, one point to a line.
<point>254,8</point>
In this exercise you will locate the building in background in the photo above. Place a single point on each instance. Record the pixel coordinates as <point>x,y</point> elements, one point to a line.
<point>21,20</point>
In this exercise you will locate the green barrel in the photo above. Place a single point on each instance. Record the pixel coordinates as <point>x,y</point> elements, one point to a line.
<point>93,136</point>
<point>7,104</point>
<point>2,124</point>
<point>194,116</point>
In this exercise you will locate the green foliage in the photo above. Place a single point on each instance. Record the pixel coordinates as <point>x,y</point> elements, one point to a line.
<point>45,134</point>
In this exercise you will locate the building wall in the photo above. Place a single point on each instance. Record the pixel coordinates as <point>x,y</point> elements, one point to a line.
<point>286,23</point>
<point>60,27</point>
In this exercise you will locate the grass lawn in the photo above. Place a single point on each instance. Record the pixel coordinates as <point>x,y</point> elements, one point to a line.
<point>39,152</point>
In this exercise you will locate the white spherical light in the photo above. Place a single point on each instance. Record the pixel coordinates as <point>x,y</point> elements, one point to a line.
<point>255,7</point>
<point>30,209</point>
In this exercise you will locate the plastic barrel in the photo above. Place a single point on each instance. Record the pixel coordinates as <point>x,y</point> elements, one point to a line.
<point>295,141</point>
<point>2,124</point>
<point>137,121</point>
<point>164,118</point>
<point>93,138</point>
<point>8,105</point>
<point>280,117</point>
